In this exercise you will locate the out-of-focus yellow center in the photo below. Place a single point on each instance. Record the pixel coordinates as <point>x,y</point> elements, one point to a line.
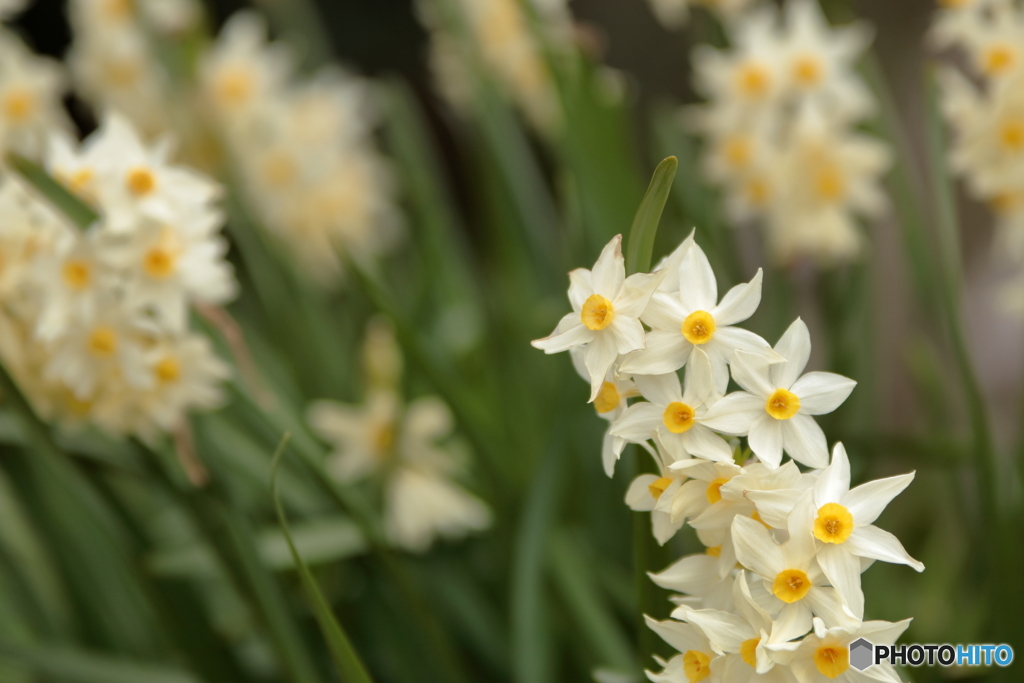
<point>998,59</point>
<point>678,417</point>
<point>140,181</point>
<point>955,4</point>
<point>658,486</point>
<point>77,274</point>
<point>832,660</point>
<point>714,551</point>
<point>279,169</point>
<point>18,104</point>
<point>382,439</point>
<point>808,70</point>
<point>79,181</point>
<point>782,404</point>
<point>159,262</point>
<point>829,184</point>
<point>699,327</point>
<point>102,341</point>
<point>234,86</point>
<point>791,585</point>
<point>696,666</point>
<point>597,312</point>
<point>748,651</point>
<point>607,398</point>
<point>834,523</point>
<point>116,9</point>
<point>1006,202</point>
<point>758,191</point>
<point>737,151</point>
<point>121,73</point>
<point>167,370</point>
<point>753,80</point>
<point>714,492</point>
<point>1011,135</point>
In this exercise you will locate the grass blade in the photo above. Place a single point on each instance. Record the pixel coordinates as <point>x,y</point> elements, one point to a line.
<point>345,657</point>
<point>68,665</point>
<point>645,223</point>
<point>68,204</point>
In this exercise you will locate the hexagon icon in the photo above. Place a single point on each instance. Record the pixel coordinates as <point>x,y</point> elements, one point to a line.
<point>862,654</point>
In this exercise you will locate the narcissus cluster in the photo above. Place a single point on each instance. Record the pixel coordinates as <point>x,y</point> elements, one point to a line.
<point>776,594</point>
<point>783,104</point>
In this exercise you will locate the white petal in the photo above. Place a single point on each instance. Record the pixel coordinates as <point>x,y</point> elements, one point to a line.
<point>733,339</point>
<point>693,575</point>
<point>774,506</point>
<point>725,631</point>
<point>683,637</point>
<point>698,290</point>
<point>610,270</point>
<point>868,500</point>
<point>637,423</point>
<point>870,541</point>
<point>609,453</point>
<point>664,312</point>
<point>665,352</point>
<point>755,548</point>
<point>660,389</point>
<point>883,632</point>
<point>800,548</point>
<point>735,413</point>
<point>822,392</point>
<point>580,288</point>
<point>739,303</point>
<point>793,621</point>
<point>628,334</point>
<point>751,373</point>
<point>567,338</point>
<point>699,440</point>
<point>699,382</point>
<point>834,481</point>
<point>598,357</point>
<point>842,568</point>
<point>638,496</point>
<point>827,604</point>
<point>804,441</point>
<point>636,293</point>
<point>795,347</point>
<point>765,439</point>
<point>662,527</point>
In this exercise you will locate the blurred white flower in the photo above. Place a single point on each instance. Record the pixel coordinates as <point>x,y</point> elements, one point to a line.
<point>825,654</point>
<point>31,88</point>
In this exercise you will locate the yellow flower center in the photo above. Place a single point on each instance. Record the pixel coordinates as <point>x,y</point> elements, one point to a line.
<point>834,523</point>
<point>77,274</point>
<point>597,312</point>
<point>955,4</point>
<point>808,70</point>
<point>757,518</point>
<point>714,492</point>
<point>18,104</point>
<point>116,9</point>
<point>140,181</point>
<point>696,666</point>
<point>279,169</point>
<point>121,73</point>
<point>80,180</point>
<point>737,151</point>
<point>103,341</point>
<point>782,404</point>
<point>714,551</point>
<point>748,651</point>
<point>159,262</point>
<point>234,86</point>
<point>1011,135</point>
<point>753,80</point>
<point>1006,202</point>
<point>678,417</point>
<point>791,585</point>
<point>658,487</point>
<point>699,327</point>
<point>758,191</point>
<point>383,439</point>
<point>167,370</point>
<point>829,183</point>
<point>832,660</point>
<point>607,399</point>
<point>998,59</point>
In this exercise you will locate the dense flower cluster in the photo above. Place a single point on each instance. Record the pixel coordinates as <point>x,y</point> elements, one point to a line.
<point>409,449</point>
<point>95,320</point>
<point>779,125</point>
<point>303,150</point>
<point>776,596</point>
<point>986,111</point>
<point>500,36</point>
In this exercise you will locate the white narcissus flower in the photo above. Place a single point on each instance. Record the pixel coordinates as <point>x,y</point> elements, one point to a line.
<point>654,493</point>
<point>606,313</point>
<point>694,318</point>
<point>777,403</point>
<point>735,495</point>
<point>698,579</point>
<point>610,404</point>
<point>694,664</point>
<point>751,75</point>
<point>363,436</point>
<point>824,656</point>
<point>31,87</point>
<point>844,529</point>
<point>675,415</point>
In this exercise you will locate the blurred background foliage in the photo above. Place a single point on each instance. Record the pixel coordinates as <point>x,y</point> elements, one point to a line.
<point>115,569</point>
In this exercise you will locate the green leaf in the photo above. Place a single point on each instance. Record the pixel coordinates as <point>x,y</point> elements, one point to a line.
<point>645,223</point>
<point>67,203</point>
<point>68,665</point>
<point>345,657</point>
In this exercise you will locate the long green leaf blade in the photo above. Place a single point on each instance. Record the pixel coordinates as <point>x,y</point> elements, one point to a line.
<point>71,206</point>
<point>645,223</point>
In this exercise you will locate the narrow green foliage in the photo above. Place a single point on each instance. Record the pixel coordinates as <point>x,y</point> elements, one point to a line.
<point>345,657</point>
<point>65,202</point>
<point>648,216</point>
